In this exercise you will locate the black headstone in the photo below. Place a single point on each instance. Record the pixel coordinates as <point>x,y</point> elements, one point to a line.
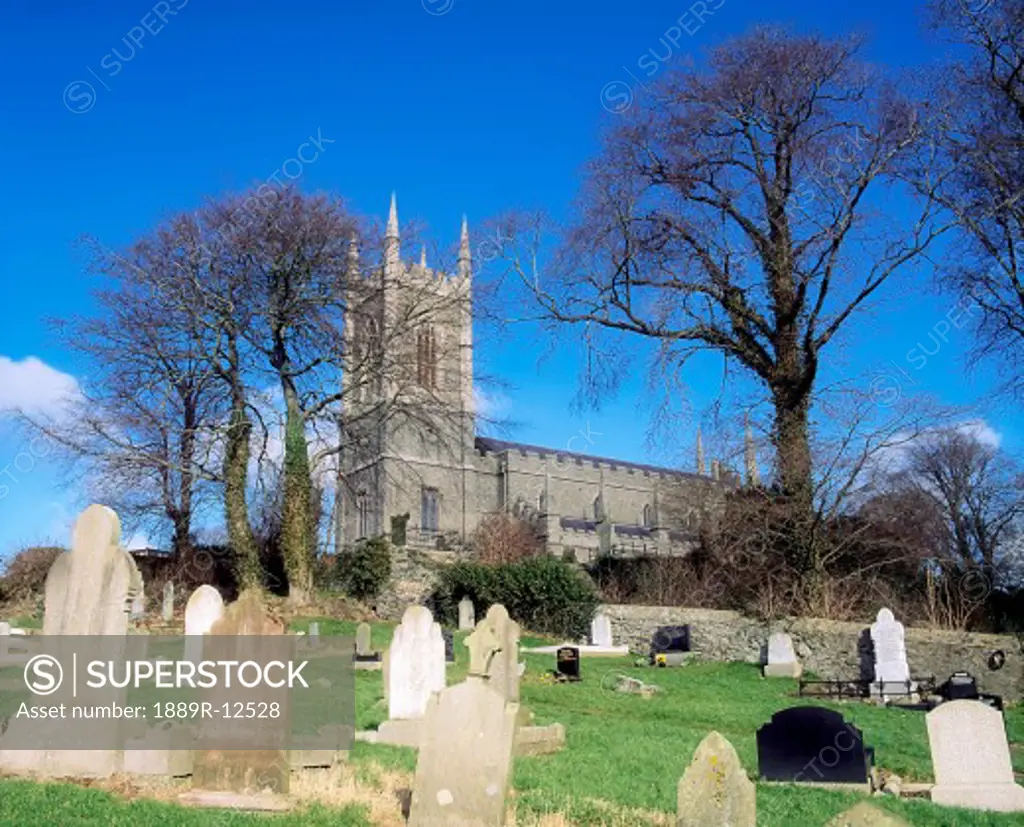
<point>670,639</point>
<point>960,686</point>
<point>567,661</point>
<point>814,745</point>
<point>449,645</point>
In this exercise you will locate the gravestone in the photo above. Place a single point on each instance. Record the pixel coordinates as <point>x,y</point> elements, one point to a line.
<point>449,645</point>
<point>416,664</point>
<point>168,605</point>
<point>139,606</point>
<point>88,591</point>
<point>812,745</point>
<point>363,640</point>
<point>865,814</point>
<point>892,674</point>
<point>670,639</point>
<point>961,686</point>
<point>467,615</point>
<point>504,674</point>
<point>971,758</point>
<point>782,662</point>
<point>715,791</point>
<point>313,635</point>
<point>205,607</point>
<point>465,760</point>
<point>567,663</point>
<point>601,630</point>
<point>244,769</point>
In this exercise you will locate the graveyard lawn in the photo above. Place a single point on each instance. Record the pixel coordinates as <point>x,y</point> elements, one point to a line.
<point>625,754</point>
<point>622,763</point>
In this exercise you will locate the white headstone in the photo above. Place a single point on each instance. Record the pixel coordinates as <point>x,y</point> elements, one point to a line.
<point>467,615</point>
<point>314,633</point>
<point>971,758</point>
<point>204,608</point>
<point>601,630</point>
<point>416,664</point>
<point>782,662</point>
<point>891,668</point>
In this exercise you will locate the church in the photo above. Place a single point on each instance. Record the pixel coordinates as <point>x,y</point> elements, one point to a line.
<point>413,457</point>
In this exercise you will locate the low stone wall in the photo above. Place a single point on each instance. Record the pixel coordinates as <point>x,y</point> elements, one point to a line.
<point>829,649</point>
<point>413,576</point>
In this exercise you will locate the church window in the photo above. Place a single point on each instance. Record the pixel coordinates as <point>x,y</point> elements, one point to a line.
<point>363,509</point>
<point>429,498</point>
<point>648,516</point>
<point>426,357</point>
<point>598,507</point>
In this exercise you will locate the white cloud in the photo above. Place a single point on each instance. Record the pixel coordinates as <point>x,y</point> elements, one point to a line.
<point>489,405</point>
<point>981,431</point>
<point>33,386</point>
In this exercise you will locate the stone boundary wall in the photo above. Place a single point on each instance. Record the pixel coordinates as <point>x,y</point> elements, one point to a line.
<point>829,649</point>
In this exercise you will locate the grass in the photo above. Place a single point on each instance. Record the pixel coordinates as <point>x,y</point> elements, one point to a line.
<point>621,765</point>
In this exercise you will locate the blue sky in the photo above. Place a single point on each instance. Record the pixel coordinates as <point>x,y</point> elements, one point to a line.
<point>459,105</point>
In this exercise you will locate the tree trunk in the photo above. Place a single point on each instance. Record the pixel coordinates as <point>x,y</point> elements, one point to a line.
<point>296,507</point>
<point>246,561</point>
<point>793,456</point>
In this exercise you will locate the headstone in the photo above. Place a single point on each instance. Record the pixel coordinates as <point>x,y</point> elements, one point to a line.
<point>168,606</point>
<point>416,664</point>
<point>715,791</point>
<point>465,760</point>
<point>892,675</point>
<point>782,662</point>
<point>567,663</point>
<point>866,814</point>
<point>88,591</point>
<point>449,645</point>
<point>670,641</point>
<point>504,674</point>
<point>244,769</point>
<point>601,630</point>
<point>961,686</point>
<point>313,637</point>
<point>467,615</point>
<point>971,758</point>
<point>204,608</point>
<point>363,640</point>
<point>813,745</point>
<point>139,606</point>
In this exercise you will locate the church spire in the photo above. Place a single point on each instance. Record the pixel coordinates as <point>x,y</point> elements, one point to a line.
<point>750,455</point>
<point>353,257</point>
<point>392,248</point>
<point>392,231</point>
<point>423,257</point>
<point>700,453</point>
<point>465,257</point>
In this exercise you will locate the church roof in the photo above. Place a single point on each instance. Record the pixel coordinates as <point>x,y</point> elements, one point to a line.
<point>488,445</point>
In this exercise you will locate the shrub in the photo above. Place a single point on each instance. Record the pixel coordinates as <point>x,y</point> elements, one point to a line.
<point>543,594</point>
<point>26,573</point>
<point>363,572</point>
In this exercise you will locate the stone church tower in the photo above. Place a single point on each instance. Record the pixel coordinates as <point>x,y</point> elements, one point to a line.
<point>408,396</point>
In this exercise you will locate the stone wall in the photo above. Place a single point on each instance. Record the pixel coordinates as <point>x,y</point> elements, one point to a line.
<point>413,575</point>
<point>829,649</point>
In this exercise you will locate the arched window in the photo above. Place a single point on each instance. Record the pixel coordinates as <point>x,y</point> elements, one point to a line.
<point>647,520</point>
<point>598,508</point>
<point>363,509</point>
<point>426,357</point>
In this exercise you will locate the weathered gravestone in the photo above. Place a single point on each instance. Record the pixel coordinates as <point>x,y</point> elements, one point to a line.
<point>248,766</point>
<point>971,758</point>
<point>139,606</point>
<point>504,666</point>
<point>465,761</point>
<point>313,635</point>
<point>715,791</point>
<point>812,745</point>
<point>601,630</point>
<point>204,608</point>
<point>168,604</point>
<point>365,658</point>
<point>892,674</point>
<point>782,662</point>
<point>865,814</point>
<point>88,591</point>
<point>467,615</point>
<point>670,645</point>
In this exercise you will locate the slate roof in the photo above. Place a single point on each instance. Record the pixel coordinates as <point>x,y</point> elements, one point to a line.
<point>487,445</point>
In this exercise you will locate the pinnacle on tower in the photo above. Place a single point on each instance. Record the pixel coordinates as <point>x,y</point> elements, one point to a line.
<point>750,455</point>
<point>700,453</point>
<point>423,257</point>
<point>465,256</point>
<point>392,230</point>
<point>353,256</point>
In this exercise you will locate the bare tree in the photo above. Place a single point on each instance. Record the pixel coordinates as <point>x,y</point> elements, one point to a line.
<point>143,429</point>
<point>982,141</point>
<point>743,213</point>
